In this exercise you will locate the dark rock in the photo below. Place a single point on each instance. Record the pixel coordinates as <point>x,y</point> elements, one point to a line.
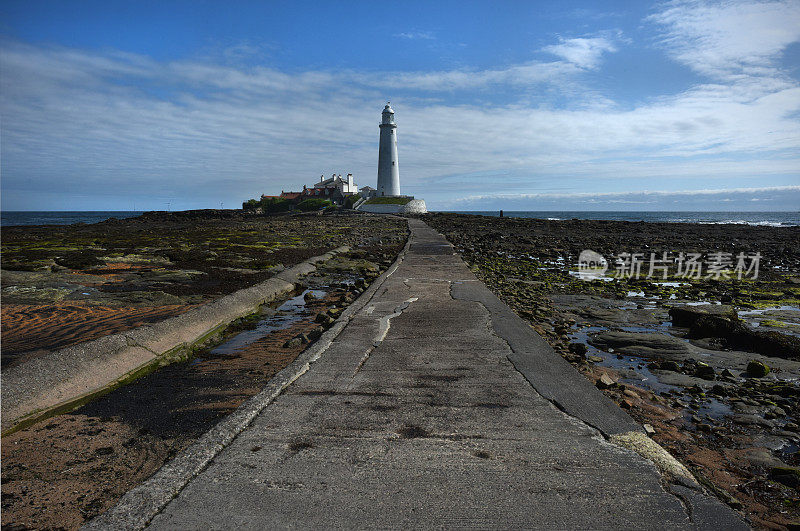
<point>784,390</point>
<point>709,343</point>
<point>293,342</point>
<point>309,296</point>
<point>719,390</point>
<point>323,318</point>
<point>757,369</point>
<point>670,366</point>
<point>788,475</point>
<point>687,316</point>
<point>720,321</point>
<point>753,420</point>
<point>777,411</point>
<point>578,348</point>
<point>643,344</point>
<point>704,371</point>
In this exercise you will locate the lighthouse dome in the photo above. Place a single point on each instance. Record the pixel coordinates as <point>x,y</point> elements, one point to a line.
<point>388,108</point>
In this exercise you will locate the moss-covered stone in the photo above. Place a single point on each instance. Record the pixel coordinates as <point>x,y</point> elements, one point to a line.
<point>757,369</point>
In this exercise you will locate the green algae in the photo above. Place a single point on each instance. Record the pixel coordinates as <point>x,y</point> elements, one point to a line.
<point>187,244</point>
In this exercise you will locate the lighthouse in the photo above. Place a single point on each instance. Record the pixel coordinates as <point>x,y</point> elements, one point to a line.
<point>388,171</point>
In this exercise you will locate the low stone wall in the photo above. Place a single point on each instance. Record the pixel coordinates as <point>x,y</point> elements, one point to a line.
<point>64,379</point>
<point>415,206</point>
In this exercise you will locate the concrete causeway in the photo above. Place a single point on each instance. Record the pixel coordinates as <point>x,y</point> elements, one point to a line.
<point>435,406</point>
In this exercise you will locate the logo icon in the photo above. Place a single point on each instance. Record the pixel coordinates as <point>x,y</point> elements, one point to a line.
<point>591,265</point>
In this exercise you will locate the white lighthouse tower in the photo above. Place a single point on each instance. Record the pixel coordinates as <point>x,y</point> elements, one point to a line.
<point>388,171</point>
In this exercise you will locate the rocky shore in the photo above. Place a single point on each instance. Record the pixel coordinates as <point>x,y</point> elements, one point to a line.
<point>67,469</point>
<point>709,366</point>
<point>63,285</point>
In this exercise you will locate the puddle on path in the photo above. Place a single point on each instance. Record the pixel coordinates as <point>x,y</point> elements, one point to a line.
<point>287,314</point>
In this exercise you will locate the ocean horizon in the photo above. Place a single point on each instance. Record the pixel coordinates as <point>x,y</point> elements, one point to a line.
<point>770,219</point>
<point>15,218</point>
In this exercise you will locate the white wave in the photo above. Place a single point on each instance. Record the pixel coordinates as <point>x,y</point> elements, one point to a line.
<point>743,222</point>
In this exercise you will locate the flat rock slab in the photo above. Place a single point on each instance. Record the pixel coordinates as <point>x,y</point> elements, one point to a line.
<point>424,412</point>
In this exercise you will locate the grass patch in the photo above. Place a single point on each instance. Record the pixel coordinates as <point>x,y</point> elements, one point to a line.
<point>778,324</point>
<point>388,201</point>
<point>767,304</point>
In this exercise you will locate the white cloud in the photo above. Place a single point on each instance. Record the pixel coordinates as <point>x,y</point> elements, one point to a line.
<point>515,75</point>
<point>645,193</point>
<point>726,38</point>
<point>416,35</point>
<point>723,199</point>
<point>584,52</point>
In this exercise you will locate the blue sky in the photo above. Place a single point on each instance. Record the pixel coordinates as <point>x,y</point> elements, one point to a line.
<point>628,105</point>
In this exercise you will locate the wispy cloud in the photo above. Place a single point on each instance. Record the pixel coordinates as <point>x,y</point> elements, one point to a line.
<point>729,38</point>
<point>776,196</point>
<point>585,52</point>
<point>643,193</point>
<point>449,80</point>
<point>416,35</point>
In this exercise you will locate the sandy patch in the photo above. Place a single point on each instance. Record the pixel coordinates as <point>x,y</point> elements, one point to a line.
<point>28,328</point>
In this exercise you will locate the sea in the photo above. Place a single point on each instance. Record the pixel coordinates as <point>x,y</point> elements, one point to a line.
<point>12,218</point>
<point>770,219</point>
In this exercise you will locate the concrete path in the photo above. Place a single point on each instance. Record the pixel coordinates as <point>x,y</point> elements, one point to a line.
<point>437,407</point>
